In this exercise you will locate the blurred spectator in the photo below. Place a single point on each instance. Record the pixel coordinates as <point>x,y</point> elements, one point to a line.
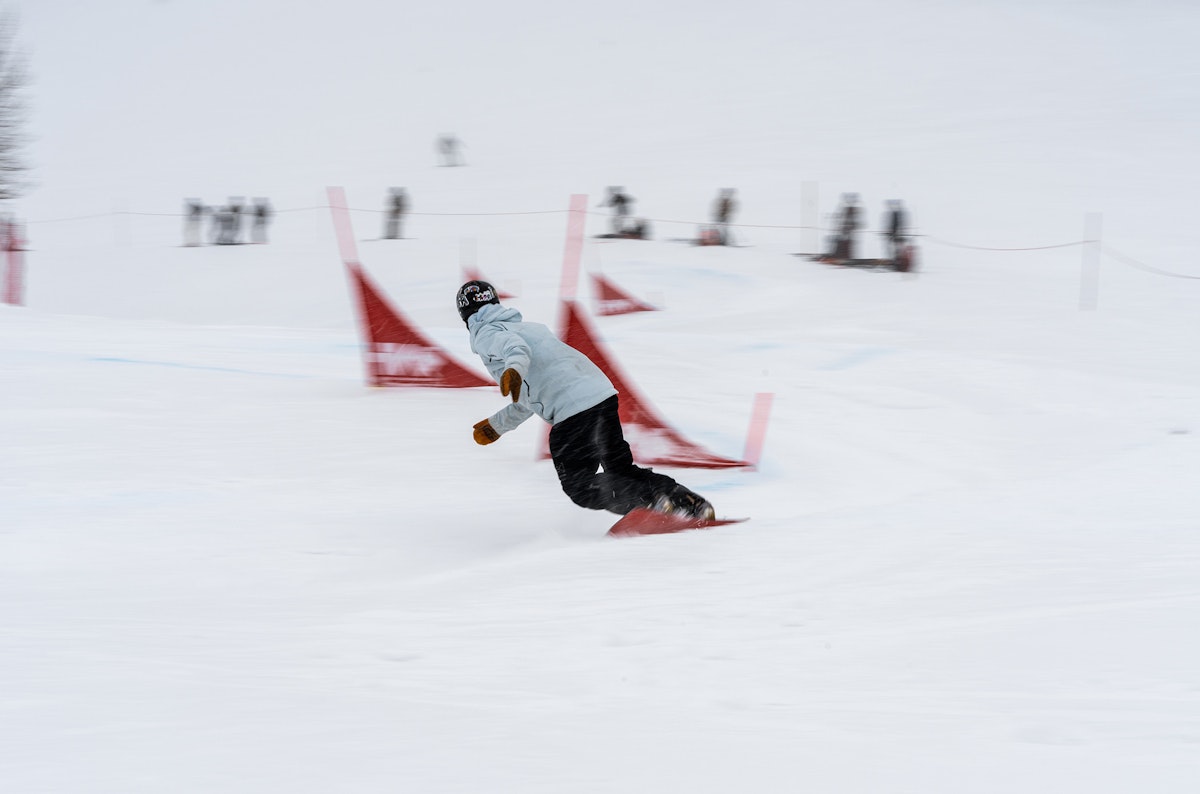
<point>895,228</point>
<point>218,230</point>
<point>849,220</point>
<point>450,149</point>
<point>396,208</point>
<point>621,202</point>
<point>723,209</point>
<point>234,223</point>
<point>193,216</point>
<point>262,216</point>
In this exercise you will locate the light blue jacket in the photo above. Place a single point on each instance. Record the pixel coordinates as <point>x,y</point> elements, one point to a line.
<point>557,381</point>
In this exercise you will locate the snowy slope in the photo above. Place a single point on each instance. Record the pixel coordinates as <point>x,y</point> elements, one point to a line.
<point>226,564</point>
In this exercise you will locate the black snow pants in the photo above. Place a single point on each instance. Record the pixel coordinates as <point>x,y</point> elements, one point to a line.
<point>592,440</point>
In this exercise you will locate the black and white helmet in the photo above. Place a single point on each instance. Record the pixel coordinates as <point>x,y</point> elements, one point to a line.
<point>473,296</point>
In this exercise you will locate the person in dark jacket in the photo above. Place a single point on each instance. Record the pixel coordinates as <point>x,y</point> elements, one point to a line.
<point>548,377</point>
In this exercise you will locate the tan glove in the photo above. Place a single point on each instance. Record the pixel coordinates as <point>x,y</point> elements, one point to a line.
<point>510,381</point>
<point>485,433</point>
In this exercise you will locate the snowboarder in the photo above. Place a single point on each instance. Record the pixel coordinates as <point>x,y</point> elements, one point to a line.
<point>544,375</point>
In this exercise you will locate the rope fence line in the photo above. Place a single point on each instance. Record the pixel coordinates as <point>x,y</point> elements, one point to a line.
<point>985,248</point>
<point>710,223</point>
<point>1108,250</point>
<point>1136,265</point>
<point>555,212</point>
<point>75,218</point>
<point>115,213</point>
<point>478,214</point>
<point>444,214</point>
<point>300,209</point>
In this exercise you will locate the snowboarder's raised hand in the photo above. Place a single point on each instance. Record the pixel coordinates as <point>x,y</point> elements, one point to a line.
<point>485,433</point>
<point>510,381</point>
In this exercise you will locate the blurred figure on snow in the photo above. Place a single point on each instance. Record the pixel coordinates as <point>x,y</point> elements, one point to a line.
<point>849,220</point>
<point>895,228</point>
<point>233,226</point>
<point>262,216</point>
<point>723,209</point>
<point>221,225</point>
<point>621,202</point>
<point>193,218</point>
<point>637,229</point>
<point>397,207</point>
<point>449,147</point>
<point>544,375</point>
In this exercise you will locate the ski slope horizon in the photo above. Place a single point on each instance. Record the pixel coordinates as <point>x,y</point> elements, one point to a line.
<point>228,564</point>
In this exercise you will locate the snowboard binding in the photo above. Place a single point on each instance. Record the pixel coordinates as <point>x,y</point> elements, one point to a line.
<point>683,502</point>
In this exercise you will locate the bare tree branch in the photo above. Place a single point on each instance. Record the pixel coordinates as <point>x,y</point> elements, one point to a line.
<point>14,78</point>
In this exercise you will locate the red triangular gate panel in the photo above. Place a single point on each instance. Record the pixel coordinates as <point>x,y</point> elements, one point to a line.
<point>396,353</point>
<point>653,441</point>
<point>610,299</point>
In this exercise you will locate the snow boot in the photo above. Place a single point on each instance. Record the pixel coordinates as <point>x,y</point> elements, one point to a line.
<point>681,501</point>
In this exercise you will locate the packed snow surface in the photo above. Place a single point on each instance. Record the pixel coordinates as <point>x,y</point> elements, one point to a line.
<point>973,559</point>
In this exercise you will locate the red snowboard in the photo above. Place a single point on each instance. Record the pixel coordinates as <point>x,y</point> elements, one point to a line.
<point>641,521</point>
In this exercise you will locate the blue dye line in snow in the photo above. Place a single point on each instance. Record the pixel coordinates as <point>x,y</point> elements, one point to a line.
<point>857,357</point>
<point>178,365</point>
